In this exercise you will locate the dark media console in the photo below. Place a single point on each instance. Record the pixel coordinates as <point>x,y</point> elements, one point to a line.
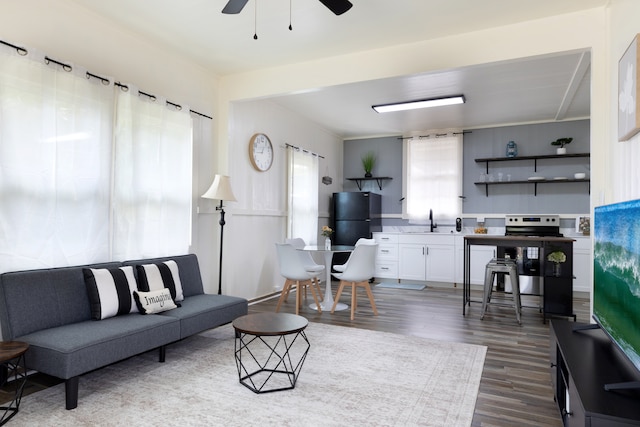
<point>583,362</point>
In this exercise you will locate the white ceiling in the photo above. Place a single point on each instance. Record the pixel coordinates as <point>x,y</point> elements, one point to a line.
<point>529,90</point>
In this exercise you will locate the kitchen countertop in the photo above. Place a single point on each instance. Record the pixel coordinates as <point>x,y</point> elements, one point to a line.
<point>497,239</point>
<point>468,231</point>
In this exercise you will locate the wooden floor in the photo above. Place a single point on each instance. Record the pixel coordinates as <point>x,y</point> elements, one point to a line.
<point>515,389</point>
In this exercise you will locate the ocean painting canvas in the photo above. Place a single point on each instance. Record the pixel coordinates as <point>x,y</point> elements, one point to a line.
<point>616,275</point>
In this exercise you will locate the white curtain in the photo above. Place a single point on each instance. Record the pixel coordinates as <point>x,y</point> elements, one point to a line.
<point>303,196</point>
<point>79,185</point>
<point>434,177</point>
<point>55,159</point>
<point>152,178</point>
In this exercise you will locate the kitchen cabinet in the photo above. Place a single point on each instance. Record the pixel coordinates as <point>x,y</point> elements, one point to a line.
<point>480,256</point>
<point>582,264</point>
<point>412,262</point>
<point>439,260</point>
<point>387,256</point>
<point>426,257</point>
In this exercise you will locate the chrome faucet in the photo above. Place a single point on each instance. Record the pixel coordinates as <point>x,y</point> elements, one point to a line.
<point>433,226</point>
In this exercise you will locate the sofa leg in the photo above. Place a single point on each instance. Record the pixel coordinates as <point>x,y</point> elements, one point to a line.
<point>71,392</point>
<point>163,352</point>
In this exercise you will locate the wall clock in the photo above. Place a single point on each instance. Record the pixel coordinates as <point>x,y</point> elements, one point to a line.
<point>261,152</point>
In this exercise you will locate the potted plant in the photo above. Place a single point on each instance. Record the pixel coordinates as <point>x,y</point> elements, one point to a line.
<point>561,142</point>
<point>556,257</point>
<point>368,161</point>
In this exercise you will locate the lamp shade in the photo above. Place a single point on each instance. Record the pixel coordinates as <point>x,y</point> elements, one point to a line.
<point>220,189</point>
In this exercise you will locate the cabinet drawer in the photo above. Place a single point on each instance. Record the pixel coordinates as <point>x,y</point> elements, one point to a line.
<point>382,238</point>
<point>387,270</point>
<point>387,252</point>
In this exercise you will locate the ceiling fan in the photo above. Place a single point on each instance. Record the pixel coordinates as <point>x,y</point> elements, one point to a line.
<point>336,6</point>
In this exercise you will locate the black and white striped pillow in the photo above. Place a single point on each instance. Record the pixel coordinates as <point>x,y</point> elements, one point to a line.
<point>154,277</point>
<point>110,291</point>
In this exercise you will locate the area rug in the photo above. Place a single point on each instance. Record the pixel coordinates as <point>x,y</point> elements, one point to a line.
<point>351,377</point>
<point>411,286</point>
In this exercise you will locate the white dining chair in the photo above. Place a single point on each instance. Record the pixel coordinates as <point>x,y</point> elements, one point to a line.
<point>309,263</point>
<point>361,241</point>
<point>360,268</point>
<point>295,273</point>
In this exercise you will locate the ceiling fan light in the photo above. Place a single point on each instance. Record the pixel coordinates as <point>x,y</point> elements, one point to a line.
<point>423,103</point>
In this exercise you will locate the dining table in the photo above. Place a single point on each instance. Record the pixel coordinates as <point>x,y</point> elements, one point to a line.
<point>327,302</point>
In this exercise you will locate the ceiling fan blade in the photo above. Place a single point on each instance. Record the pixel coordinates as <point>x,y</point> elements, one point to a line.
<point>234,6</point>
<point>337,6</point>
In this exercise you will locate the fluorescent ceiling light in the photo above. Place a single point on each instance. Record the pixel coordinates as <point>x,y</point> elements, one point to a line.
<point>424,103</point>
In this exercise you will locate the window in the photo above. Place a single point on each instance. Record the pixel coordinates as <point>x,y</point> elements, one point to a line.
<point>303,195</point>
<point>433,176</point>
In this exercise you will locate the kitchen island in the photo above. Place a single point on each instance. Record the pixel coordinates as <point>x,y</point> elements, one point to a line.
<point>557,293</point>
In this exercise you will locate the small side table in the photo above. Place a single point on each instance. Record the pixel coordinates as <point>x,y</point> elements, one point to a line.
<point>270,349</point>
<point>13,360</point>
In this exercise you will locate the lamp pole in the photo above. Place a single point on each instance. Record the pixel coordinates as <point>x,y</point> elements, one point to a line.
<point>220,189</point>
<point>222,223</point>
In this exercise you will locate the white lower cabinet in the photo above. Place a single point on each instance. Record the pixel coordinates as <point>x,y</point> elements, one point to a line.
<point>440,258</point>
<point>480,256</point>
<point>426,257</point>
<point>387,256</point>
<point>440,263</point>
<point>582,264</point>
<point>412,262</point>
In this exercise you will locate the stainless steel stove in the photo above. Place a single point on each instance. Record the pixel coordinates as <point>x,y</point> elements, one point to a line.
<point>528,258</point>
<point>532,225</point>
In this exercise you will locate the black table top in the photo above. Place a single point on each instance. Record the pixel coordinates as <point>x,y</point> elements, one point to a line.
<point>270,324</point>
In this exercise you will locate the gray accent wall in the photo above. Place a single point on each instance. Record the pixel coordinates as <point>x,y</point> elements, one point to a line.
<point>388,151</point>
<point>532,140</point>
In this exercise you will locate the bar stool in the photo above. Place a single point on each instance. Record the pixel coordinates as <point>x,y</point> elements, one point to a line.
<point>501,266</point>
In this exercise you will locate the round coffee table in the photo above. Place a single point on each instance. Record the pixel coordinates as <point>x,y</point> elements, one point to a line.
<point>270,349</point>
<point>12,361</point>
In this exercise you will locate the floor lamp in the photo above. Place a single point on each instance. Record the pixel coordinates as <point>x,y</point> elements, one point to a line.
<point>220,190</point>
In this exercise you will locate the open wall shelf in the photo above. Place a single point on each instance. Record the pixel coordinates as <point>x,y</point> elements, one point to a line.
<point>535,159</point>
<point>378,179</point>
<point>535,183</point>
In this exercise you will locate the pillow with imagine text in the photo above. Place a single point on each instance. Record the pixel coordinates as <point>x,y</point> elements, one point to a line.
<point>154,301</point>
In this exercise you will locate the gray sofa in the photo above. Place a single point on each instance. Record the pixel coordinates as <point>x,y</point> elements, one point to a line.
<point>50,310</point>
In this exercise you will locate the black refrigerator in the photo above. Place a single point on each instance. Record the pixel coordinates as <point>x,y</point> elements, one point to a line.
<point>355,215</point>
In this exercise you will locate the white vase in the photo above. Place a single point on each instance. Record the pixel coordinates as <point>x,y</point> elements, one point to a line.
<point>327,244</point>
<point>562,150</point>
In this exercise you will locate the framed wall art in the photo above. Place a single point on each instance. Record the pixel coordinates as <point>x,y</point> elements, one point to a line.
<point>628,111</point>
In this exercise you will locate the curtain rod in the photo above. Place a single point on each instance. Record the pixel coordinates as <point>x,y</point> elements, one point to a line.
<point>303,150</point>
<point>66,67</point>
<point>435,135</point>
